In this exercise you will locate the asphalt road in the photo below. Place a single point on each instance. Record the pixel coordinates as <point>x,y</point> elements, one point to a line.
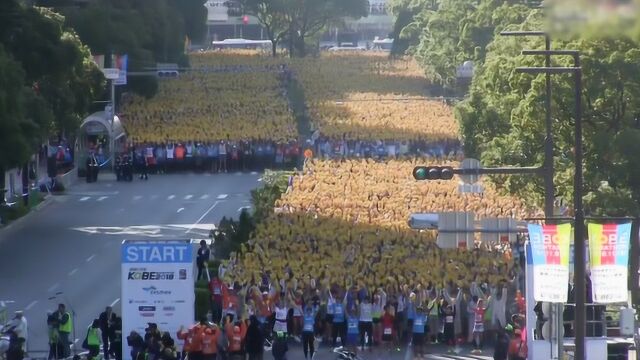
<point>434,352</point>
<point>71,246</point>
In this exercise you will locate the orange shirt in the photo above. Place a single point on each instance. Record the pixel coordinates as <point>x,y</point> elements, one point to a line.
<point>196,337</point>
<point>229,297</point>
<point>236,339</point>
<point>180,152</point>
<point>210,342</point>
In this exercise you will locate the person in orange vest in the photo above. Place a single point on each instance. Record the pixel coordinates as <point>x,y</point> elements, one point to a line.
<point>184,335</point>
<point>230,303</point>
<point>210,343</point>
<point>235,335</point>
<point>196,340</point>
<point>192,341</point>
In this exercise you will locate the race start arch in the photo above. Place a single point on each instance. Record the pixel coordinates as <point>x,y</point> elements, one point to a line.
<point>101,134</point>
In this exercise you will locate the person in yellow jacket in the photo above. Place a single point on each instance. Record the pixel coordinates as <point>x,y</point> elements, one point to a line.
<point>64,322</point>
<point>94,339</point>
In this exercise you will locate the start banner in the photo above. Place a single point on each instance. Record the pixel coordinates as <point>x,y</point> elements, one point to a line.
<point>550,259</point>
<point>609,246</point>
<point>157,287</point>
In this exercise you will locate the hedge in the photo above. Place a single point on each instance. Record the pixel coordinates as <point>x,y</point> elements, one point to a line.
<point>203,303</point>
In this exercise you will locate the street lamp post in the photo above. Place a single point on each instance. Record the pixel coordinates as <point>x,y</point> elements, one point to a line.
<point>549,191</point>
<point>579,240</point>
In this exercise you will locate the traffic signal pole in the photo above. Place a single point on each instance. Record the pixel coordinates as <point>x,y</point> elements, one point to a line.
<point>501,171</point>
<point>447,172</point>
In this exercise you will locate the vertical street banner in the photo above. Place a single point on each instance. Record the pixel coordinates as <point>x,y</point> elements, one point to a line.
<point>121,63</point>
<point>157,287</point>
<point>99,60</point>
<point>609,246</point>
<point>550,259</point>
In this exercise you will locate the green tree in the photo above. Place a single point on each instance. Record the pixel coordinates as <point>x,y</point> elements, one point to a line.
<point>307,18</point>
<point>271,15</point>
<point>405,12</point>
<point>502,121</point>
<point>24,116</point>
<point>194,17</point>
<point>455,31</point>
<point>300,20</point>
<point>67,80</point>
<point>149,31</point>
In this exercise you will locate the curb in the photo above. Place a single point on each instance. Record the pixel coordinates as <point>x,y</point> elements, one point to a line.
<point>48,199</point>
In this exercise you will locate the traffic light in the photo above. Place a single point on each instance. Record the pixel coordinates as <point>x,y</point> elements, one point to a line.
<point>433,173</point>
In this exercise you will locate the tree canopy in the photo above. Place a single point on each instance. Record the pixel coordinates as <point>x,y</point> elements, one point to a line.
<point>149,31</point>
<point>502,117</point>
<point>44,97</point>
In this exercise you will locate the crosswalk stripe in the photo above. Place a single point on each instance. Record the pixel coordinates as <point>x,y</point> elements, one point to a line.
<point>102,198</point>
<point>205,196</point>
<point>222,196</point>
<point>170,197</point>
<point>137,197</point>
<point>188,197</point>
<point>85,198</point>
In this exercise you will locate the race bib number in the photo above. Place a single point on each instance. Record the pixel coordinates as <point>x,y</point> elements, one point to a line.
<point>387,331</point>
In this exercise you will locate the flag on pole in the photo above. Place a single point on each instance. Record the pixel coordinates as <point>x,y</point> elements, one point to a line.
<point>99,60</point>
<point>120,62</point>
<point>550,258</point>
<point>609,246</point>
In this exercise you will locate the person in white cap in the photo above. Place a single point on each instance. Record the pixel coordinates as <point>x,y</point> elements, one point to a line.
<point>19,326</point>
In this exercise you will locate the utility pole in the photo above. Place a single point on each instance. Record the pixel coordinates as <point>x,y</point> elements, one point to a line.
<point>579,231</point>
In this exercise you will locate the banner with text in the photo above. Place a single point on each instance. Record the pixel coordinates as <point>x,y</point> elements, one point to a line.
<point>120,62</point>
<point>550,257</point>
<point>609,258</point>
<point>157,287</point>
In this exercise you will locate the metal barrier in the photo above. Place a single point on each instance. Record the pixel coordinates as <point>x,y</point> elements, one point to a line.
<point>601,321</point>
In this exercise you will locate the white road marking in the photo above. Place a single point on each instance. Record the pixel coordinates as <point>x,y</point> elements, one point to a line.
<point>102,198</point>
<point>91,257</point>
<point>222,196</point>
<point>180,210</point>
<point>259,180</point>
<point>170,197</point>
<point>188,197</point>
<point>32,304</point>
<point>115,302</point>
<point>254,173</point>
<point>205,196</point>
<point>73,271</point>
<point>202,217</point>
<point>137,197</point>
<point>53,287</point>
<point>85,198</point>
<point>244,207</point>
